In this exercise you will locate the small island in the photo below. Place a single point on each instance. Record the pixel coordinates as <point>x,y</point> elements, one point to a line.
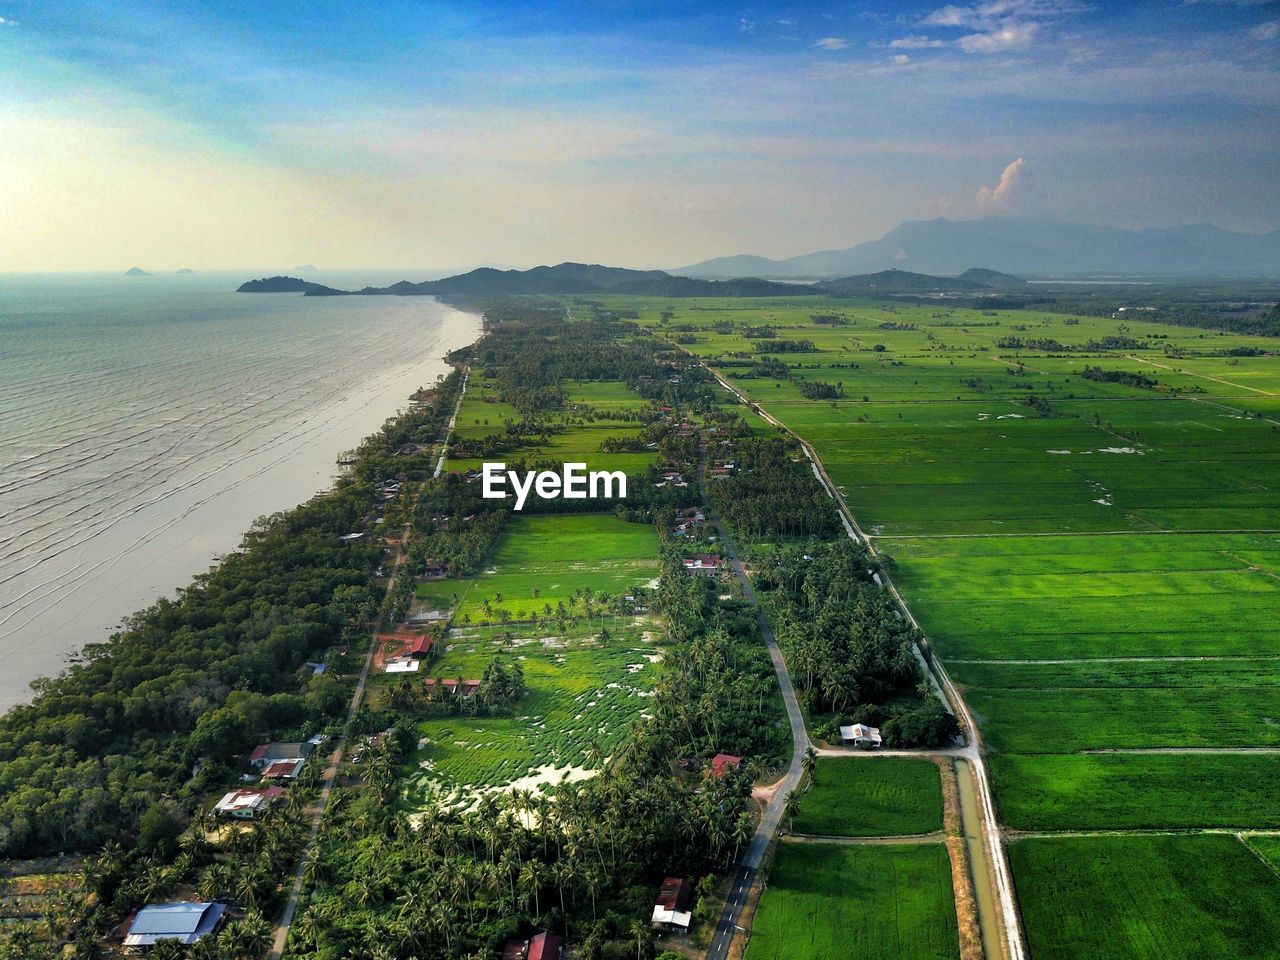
<point>136,272</point>
<point>277,285</point>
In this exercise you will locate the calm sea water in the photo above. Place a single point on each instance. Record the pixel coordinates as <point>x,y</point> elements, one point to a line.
<point>146,422</point>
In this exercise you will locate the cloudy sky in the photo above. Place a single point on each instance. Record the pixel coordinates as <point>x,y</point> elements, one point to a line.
<point>445,135</point>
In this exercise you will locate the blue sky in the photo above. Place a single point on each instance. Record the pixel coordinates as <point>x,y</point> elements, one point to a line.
<point>440,134</point>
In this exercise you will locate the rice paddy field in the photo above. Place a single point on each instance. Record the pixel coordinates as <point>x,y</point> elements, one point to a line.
<point>1179,897</point>
<point>828,901</point>
<point>871,797</point>
<point>1096,562</point>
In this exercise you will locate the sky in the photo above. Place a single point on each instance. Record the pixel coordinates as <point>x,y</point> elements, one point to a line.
<point>445,135</point>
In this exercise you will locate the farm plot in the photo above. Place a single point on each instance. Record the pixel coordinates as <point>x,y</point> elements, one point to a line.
<point>582,694</point>
<point>541,562</point>
<point>826,901</point>
<point>1146,898</point>
<point>871,797</point>
<point>593,411</point>
<point>1139,791</point>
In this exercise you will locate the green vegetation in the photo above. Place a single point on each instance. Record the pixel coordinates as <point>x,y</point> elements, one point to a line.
<point>827,900</point>
<point>1146,898</point>
<point>542,564</point>
<point>871,797</point>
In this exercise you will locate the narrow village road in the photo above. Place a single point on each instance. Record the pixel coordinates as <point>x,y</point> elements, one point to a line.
<point>335,760</point>
<point>1005,927</point>
<point>760,840</point>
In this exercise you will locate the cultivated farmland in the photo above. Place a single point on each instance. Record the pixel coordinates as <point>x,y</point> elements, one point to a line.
<point>871,797</point>
<point>1096,559</point>
<point>827,900</point>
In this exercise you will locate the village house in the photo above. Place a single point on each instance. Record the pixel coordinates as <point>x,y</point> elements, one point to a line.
<point>435,568</point>
<point>283,769</point>
<point>723,763</point>
<point>247,804</point>
<point>672,910</point>
<point>266,754</point>
<point>703,562</point>
<point>542,946</point>
<point>462,688</point>
<point>184,922</point>
<point>861,736</point>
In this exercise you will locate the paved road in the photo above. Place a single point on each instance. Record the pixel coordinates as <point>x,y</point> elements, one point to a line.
<point>997,873</point>
<point>335,761</point>
<point>760,840</point>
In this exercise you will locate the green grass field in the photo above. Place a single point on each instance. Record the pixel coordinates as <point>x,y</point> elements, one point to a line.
<point>831,902</point>
<point>872,797</point>
<point>541,561</point>
<point>1146,898</point>
<point>1267,847</point>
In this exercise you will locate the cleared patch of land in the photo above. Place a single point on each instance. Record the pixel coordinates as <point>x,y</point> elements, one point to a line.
<point>582,693</point>
<point>864,797</point>
<point>829,901</point>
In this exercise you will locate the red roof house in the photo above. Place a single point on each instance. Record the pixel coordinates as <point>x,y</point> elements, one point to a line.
<point>722,763</point>
<point>466,689</point>
<point>542,946</point>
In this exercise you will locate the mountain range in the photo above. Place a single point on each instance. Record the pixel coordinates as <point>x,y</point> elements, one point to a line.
<point>581,278</point>
<point>1033,248</point>
<point>566,278</point>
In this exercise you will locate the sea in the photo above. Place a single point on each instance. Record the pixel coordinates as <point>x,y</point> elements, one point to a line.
<point>146,422</point>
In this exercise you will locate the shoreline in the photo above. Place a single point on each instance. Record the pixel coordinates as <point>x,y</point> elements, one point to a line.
<point>158,552</point>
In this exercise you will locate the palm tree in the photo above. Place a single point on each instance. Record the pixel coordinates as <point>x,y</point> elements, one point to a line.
<point>809,762</point>
<point>643,933</point>
<point>791,806</point>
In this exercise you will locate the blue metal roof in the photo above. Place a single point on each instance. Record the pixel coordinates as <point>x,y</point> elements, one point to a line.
<point>178,921</point>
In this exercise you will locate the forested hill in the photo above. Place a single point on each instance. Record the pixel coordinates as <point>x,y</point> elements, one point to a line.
<point>277,285</point>
<point>575,278</point>
<point>886,282</point>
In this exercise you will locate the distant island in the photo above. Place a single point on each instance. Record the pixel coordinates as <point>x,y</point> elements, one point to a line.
<point>307,268</point>
<point>580,278</point>
<point>136,272</point>
<point>184,270</point>
<point>278,285</point>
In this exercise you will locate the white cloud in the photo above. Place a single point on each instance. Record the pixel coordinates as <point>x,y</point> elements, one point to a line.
<point>997,25</point>
<point>1009,37</point>
<point>1000,197</point>
<point>901,58</point>
<point>8,23</point>
<point>1266,31</point>
<point>916,43</point>
<point>832,43</point>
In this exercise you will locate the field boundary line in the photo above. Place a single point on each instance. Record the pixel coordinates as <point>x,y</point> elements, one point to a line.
<point>1250,847</point>
<point>1203,376</point>
<point>902,839</point>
